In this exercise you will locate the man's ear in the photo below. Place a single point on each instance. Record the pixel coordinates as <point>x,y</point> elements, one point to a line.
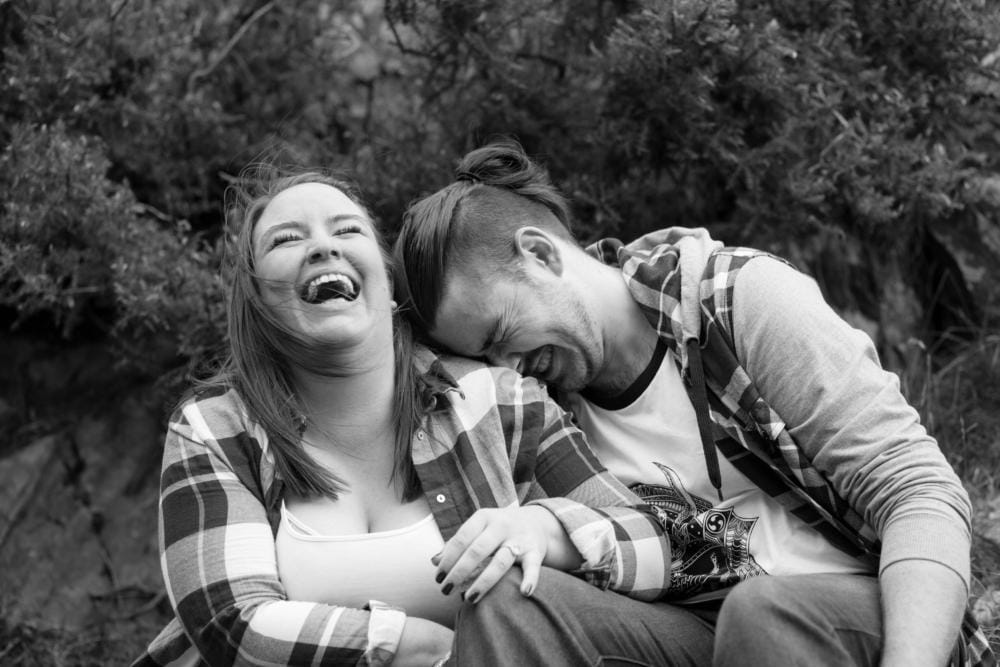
<point>538,247</point>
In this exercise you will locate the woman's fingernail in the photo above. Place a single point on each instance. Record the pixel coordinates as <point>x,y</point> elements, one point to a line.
<point>439,577</point>
<point>473,597</point>
<point>436,558</point>
<point>447,588</point>
<point>527,591</point>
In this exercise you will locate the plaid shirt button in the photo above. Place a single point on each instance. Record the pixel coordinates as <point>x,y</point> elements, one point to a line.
<point>440,498</point>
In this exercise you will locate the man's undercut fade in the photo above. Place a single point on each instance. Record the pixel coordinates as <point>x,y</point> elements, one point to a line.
<point>469,226</point>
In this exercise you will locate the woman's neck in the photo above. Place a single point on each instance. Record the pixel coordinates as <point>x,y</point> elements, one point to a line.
<point>355,407</point>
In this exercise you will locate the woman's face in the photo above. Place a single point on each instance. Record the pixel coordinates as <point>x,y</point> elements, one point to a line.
<point>320,268</point>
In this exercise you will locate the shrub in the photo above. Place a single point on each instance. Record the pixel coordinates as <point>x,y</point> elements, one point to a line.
<point>79,252</point>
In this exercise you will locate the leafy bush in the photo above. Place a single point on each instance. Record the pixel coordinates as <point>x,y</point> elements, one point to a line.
<point>813,128</point>
<point>79,251</point>
<point>805,126</point>
<point>786,116</point>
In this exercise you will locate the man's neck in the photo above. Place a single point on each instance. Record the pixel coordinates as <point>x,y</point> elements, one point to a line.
<point>629,339</point>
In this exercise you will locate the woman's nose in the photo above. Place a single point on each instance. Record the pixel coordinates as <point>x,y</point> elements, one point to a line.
<point>323,248</point>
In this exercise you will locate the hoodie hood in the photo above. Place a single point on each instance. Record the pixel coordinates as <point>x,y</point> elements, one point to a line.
<point>674,259</point>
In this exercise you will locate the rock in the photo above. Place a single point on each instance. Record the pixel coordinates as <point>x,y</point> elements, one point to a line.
<point>20,474</point>
<point>80,537</point>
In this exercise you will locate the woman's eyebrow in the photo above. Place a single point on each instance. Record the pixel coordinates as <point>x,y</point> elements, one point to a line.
<point>289,224</point>
<point>342,217</point>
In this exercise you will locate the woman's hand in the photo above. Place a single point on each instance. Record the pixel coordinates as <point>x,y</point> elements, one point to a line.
<point>492,541</point>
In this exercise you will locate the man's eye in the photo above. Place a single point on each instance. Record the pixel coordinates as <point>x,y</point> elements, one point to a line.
<point>496,345</point>
<point>283,238</point>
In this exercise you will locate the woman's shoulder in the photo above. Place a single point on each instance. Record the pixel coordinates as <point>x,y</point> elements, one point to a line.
<point>215,412</point>
<point>214,421</point>
<point>214,398</point>
<point>475,375</point>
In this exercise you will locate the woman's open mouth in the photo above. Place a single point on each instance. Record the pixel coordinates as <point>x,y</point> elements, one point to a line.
<point>329,286</point>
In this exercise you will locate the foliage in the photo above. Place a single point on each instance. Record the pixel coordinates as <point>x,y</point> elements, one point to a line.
<point>786,121</point>
<point>813,128</point>
<point>521,67</point>
<point>857,138</point>
<point>82,252</point>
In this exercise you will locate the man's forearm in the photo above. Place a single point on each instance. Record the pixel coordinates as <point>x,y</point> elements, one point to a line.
<point>922,606</point>
<point>561,553</point>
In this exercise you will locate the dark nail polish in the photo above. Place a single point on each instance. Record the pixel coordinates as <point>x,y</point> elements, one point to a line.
<point>473,598</point>
<point>436,558</point>
<point>439,577</point>
<point>447,588</point>
<point>462,596</point>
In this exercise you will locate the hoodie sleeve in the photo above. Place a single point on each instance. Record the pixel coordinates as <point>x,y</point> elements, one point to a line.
<point>849,417</point>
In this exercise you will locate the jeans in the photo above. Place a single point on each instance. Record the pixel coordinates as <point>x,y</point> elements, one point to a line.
<point>569,622</point>
<point>815,619</point>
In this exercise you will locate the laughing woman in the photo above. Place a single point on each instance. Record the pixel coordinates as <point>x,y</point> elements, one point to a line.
<point>339,494</point>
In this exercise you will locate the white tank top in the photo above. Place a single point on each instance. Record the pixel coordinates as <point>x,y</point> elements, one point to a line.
<point>392,566</point>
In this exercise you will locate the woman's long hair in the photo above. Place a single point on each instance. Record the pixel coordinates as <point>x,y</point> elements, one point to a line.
<point>263,350</point>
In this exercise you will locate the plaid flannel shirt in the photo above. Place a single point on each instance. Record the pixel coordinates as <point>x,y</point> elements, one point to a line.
<point>748,431</point>
<point>489,438</point>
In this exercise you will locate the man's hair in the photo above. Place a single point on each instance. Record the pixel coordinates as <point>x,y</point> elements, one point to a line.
<point>263,350</point>
<point>472,222</point>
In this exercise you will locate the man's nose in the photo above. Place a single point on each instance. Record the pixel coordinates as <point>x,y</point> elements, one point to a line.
<point>513,360</point>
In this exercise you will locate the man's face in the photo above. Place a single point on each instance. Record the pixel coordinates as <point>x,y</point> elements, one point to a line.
<point>531,321</point>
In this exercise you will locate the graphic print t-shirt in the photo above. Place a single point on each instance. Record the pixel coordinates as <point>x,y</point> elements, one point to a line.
<point>652,445</point>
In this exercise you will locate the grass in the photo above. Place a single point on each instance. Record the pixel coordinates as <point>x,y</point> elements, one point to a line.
<point>959,401</point>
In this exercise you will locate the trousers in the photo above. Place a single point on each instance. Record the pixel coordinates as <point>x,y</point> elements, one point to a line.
<point>567,622</point>
<point>813,620</point>
<point>810,620</point>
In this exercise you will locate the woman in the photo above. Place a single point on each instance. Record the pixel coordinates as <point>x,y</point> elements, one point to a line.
<point>335,473</point>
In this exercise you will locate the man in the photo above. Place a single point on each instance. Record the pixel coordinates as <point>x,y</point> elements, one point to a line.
<point>720,386</point>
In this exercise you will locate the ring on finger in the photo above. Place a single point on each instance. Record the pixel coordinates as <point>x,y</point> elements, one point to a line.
<point>514,550</point>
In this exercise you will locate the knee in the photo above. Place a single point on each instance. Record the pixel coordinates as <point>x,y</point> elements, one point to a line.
<point>497,605</point>
<point>750,624</point>
<point>753,609</point>
<point>800,620</point>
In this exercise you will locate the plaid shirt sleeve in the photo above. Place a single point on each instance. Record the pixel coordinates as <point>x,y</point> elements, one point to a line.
<point>218,558</point>
<point>619,537</point>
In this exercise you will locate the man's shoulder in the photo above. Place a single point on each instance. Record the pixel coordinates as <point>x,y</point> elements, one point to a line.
<point>726,264</point>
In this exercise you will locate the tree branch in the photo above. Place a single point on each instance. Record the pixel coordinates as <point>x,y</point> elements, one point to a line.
<point>203,72</point>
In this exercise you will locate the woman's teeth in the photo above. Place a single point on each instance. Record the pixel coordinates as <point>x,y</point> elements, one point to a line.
<point>329,286</point>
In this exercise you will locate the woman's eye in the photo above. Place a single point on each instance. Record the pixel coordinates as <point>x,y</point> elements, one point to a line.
<point>347,229</point>
<point>282,238</point>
